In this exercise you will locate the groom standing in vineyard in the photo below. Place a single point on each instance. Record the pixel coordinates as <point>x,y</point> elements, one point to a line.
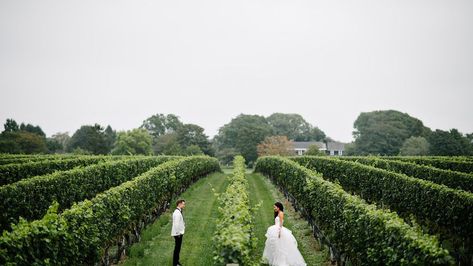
<point>177,231</point>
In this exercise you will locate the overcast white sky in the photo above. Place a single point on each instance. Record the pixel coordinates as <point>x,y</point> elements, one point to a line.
<point>68,63</point>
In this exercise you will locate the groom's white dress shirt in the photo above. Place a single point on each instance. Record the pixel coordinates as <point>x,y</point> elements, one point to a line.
<point>178,225</point>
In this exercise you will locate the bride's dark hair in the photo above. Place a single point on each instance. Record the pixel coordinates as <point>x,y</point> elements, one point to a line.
<point>281,208</point>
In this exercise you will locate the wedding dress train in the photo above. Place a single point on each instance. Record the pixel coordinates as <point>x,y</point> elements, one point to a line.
<point>281,251</point>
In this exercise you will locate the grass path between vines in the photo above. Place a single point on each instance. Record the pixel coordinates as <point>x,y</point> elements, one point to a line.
<point>261,189</point>
<point>157,245</point>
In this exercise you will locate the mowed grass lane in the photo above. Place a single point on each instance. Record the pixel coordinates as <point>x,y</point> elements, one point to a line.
<point>156,245</point>
<point>261,189</point>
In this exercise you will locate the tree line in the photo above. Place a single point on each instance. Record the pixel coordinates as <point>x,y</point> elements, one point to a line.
<point>387,132</point>
<point>391,132</point>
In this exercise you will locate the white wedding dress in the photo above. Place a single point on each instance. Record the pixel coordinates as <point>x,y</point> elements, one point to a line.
<point>281,251</point>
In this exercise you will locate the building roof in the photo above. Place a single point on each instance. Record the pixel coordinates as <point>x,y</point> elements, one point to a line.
<point>307,144</point>
<point>335,146</point>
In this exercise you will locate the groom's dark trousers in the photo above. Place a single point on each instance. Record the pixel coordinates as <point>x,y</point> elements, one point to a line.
<point>177,249</point>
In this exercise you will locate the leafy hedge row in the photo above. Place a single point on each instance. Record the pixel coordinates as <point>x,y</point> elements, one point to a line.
<point>234,240</point>
<point>442,163</point>
<point>366,234</point>
<point>24,160</point>
<point>430,157</point>
<point>457,180</point>
<point>10,155</point>
<point>30,198</point>
<point>79,234</point>
<point>442,209</point>
<point>36,158</point>
<point>10,173</point>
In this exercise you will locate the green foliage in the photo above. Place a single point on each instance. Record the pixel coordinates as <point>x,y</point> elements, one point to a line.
<point>350,149</point>
<point>32,129</point>
<point>30,198</point>
<point>451,143</point>
<point>25,138</point>
<point>22,142</point>
<point>457,180</point>
<point>406,195</point>
<point>172,137</point>
<point>190,135</point>
<point>415,146</point>
<point>136,141</point>
<point>90,138</point>
<point>79,234</point>
<point>10,173</point>
<point>26,159</point>
<point>314,150</point>
<point>442,163</point>
<point>11,126</point>
<point>193,150</point>
<point>366,234</point>
<point>80,151</point>
<point>384,132</point>
<point>160,124</point>
<point>234,239</point>
<point>226,155</point>
<point>110,136</point>
<point>53,145</point>
<point>243,134</point>
<point>167,144</point>
<point>294,127</point>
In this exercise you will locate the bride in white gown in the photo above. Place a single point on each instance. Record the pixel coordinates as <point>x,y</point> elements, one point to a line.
<point>281,246</point>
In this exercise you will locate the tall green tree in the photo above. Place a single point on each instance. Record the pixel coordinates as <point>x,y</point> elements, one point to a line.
<point>22,139</point>
<point>172,137</point>
<point>11,126</point>
<point>294,127</point>
<point>449,143</point>
<point>415,146</point>
<point>32,129</point>
<point>384,132</point>
<point>22,142</point>
<point>136,141</point>
<point>91,139</point>
<point>470,137</point>
<point>167,144</point>
<point>160,124</point>
<point>54,146</point>
<point>193,135</point>
<point>110,136</point>
<point>243,134</point>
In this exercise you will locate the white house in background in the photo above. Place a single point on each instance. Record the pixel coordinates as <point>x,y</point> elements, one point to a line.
<point>332,148</point>
<point>301,147</point>
<point>335,148</point>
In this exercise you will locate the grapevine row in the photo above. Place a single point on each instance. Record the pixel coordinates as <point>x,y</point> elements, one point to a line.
<point>82,234</point>
<point>11,173</point>
<point>442,163</point>
<point>234,240</point>
<point>360,231</point>
<point>441,209</point>
<point>30,198</point>
<point>453,179</point>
